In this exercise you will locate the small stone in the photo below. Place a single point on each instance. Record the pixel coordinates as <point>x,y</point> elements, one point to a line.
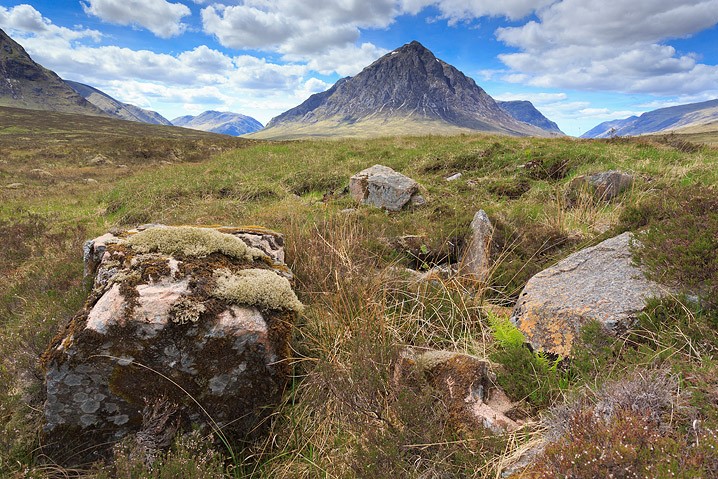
<point>453,177</point>
<point>14,186</point>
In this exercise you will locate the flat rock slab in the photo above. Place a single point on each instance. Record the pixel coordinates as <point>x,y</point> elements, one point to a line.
<point>598,283</point>
<point>382,187</point>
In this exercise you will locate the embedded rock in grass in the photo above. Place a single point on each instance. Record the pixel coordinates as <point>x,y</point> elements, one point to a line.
<point>466,384</point>
<point>181,316</point>
<point>382,187</point>
<point>599,283</point>
<point>475,262</point>
<point>604,186</point>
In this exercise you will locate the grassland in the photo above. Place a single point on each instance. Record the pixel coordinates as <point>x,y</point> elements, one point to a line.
<point>342,417</point>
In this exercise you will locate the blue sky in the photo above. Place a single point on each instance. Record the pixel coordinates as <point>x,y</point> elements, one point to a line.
<point>580,62</point>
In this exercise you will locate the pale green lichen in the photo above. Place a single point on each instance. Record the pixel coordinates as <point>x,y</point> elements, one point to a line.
<point>191,241</point>
<point>186,310</point>
<point>256,287</point>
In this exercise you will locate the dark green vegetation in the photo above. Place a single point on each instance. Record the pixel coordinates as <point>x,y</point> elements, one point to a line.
<point>343,415</point>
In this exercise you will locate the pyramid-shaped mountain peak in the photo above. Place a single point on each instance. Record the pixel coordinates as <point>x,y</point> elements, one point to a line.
<point>408,87</point>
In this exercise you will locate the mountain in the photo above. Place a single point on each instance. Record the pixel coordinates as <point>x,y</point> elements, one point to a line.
<point>26,84</point>
<point>115,108</point>
<point>678,118</point>
<point>408,90</point>
<point>525,111</point>
<point>224,122</point>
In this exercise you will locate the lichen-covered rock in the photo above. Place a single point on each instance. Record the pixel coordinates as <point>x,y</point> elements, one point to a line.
<point>196,318</point>
<point>383,187</point>
<point>466,383</point>
<point>475,262</point>
<point>599,283</point>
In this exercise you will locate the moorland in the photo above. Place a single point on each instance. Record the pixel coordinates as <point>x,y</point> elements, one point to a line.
<point>67,178</point>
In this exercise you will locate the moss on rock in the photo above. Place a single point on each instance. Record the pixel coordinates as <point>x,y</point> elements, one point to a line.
<point>256,287</point>
<point>191,241</point>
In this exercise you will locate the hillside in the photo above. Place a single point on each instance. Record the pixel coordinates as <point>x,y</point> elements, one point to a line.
<point>663,120</point>
<point>526,112</point>
<point>375,285</point>
<point>115,108</point>
<point>407,90</point>
<point>26,84</point>
<point>225,123</point>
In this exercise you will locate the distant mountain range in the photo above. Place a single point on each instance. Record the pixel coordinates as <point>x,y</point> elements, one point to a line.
<point>116,108</point>
<point>681,118</point>
<point>408,90</point>
<point>226,123</point>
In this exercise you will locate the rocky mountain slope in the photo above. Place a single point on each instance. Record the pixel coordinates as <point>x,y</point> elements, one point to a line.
<point>26,84</point>
<point>691,115</point>
<point>525,111</point>
<point>116,108</point>
<point>408,89</point>
<point>224,122</point>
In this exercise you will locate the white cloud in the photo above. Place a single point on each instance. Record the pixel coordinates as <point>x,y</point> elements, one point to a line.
<point>593,44</point>
<point>346,61</point>
<point>535,98</point>
<point>322,33</point>
<point>456,11</point>
<point>162,18</point>
<point>24,20</point>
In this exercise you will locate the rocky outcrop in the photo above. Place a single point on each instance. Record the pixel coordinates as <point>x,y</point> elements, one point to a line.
<point>599,283</point>
<point>191,320</point>
<point>382,187</point>
<point>466,383</point>
<point>604,186</point>
<point>475,262</point>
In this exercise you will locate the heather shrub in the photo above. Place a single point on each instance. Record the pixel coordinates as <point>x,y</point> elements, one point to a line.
<point>680,239</point>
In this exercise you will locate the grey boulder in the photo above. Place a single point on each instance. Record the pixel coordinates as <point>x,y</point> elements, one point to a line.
<point>599,283</point>
<point>382,187</point>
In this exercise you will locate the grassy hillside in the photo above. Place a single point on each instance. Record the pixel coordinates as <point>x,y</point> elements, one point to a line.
<point>342,417</point>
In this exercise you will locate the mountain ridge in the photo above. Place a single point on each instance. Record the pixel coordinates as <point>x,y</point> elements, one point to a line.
<point>116,108</point>
<point>27,84</point>
<point>689,115</point>
<point>524,110</point>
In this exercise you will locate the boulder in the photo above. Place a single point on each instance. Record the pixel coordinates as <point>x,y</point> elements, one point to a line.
<point>604,186</point>
<point>599,283</point>
<point>476,259</point>
<point>178,317</point>
<point>382,187</point>
<point>467,386</point>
